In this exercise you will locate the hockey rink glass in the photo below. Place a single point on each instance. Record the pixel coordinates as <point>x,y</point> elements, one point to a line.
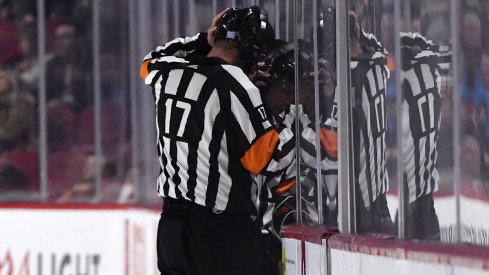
<point>468,117</point>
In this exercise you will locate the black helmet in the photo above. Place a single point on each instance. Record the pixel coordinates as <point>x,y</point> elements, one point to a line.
<point>327,34</point>
<point>249,31</point>
<point>282,62</point>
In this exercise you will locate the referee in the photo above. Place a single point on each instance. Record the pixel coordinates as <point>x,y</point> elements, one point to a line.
<point>421,105</point>
<point>369,74</point>
<point>213,137</point>
<point>275,76</point>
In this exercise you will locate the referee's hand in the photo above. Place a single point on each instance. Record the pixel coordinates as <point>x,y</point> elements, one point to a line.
<point>258,74</point>
<point>211,32</point>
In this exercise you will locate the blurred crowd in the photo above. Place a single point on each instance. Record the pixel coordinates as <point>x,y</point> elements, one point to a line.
<point>69,94</point>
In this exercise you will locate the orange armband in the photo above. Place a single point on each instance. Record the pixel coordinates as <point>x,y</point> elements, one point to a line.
<point>329,141</point>
<point>285,186</point>
<point>143,72</point>
<point>259,154</point>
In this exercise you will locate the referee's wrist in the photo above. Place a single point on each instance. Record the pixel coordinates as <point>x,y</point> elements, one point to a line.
<point>203,46</point>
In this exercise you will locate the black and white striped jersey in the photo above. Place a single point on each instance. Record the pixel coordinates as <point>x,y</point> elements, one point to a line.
<point>269,186</point>
<point>369,74</point>
<point>421,110</point>
<point>329,162</point>
<point>212,128</point>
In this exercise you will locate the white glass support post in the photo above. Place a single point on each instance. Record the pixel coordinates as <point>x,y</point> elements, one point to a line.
<point>191,18</point>
<point>97,99</point>
<point>176,18</point>
<point>277,18</point>
<point>298,184</point>
<point>345,164</point>
<point>134,61</point>
<point>455,36</point>
<point>319,178</point>
<point>43,147</point>
<point>399,162</point>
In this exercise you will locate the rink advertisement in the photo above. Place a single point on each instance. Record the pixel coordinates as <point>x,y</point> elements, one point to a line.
<point>77,241</point>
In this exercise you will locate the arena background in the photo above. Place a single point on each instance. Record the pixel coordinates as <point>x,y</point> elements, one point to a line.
<point>78,158</point>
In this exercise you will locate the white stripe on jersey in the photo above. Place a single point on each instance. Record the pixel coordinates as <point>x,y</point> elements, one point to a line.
<point>169,59</point>
<point>157,95</point>
<point>195,86</point>
<point>243,118</point>
<point>429,82</point>
<point>362,177</point>
<point>435,175</point>
<point>225,180</point>
<point>253,91</point>
<point>327,164</point>
<point>372,162</point>
<point>158,89</point>
<point>282,163</point>
<point>181,40</point>
<point>425,162</point>
<point>380,79</point>
<point>411,77</point>
<point>150,77</point>
<point>211,110</point>
<point>169,168</point>
<point>161,181</point>
<point>430,164</point>
<point>182,153</point>
<point>408,150</point>
<point>173,81</point>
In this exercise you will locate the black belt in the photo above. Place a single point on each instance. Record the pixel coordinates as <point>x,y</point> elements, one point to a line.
<point>174,206</point>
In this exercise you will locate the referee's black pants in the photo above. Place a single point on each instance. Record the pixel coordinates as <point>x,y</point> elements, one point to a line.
<point>192,240</point>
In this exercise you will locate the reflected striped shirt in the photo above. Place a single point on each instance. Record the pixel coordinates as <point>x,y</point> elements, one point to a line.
<point>369,74</point>
<point>421,110</point>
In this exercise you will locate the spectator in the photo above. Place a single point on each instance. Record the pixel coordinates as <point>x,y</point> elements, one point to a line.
<point>11,178</point>
<point>9,38</point>
<point>61,125</point>
<point>471,181</point>
<point>28,66</point>
<point>483,114</point>
<point>472,89</point>
<point>69,71</point>
<point>16,121</point>
<point>19,172</point>
<point>16,113</point>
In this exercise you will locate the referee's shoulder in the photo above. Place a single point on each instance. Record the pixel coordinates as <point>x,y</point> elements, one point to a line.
<point>239,79</point>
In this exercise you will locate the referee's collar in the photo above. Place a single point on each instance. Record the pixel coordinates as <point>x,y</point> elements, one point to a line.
<point>198,59</point>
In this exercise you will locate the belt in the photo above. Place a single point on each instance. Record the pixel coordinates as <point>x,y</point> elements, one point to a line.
<point>174,206</point>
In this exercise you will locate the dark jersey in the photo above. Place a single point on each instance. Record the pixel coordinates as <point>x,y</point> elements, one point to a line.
<point>212,128</point>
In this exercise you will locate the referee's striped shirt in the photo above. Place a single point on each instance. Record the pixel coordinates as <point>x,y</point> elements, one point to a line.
<point>369,74</point>
<point>212,129</point>
<point>421,110</point>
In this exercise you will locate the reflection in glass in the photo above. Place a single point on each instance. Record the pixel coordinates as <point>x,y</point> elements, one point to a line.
<point>369,74</point>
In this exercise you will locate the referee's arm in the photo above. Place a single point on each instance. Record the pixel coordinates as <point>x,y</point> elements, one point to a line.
<point>263,148</point>
<point>270,153</point>
<point>177,48</point>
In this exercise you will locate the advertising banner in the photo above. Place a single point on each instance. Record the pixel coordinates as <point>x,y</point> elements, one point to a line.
<point>77,241</point>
